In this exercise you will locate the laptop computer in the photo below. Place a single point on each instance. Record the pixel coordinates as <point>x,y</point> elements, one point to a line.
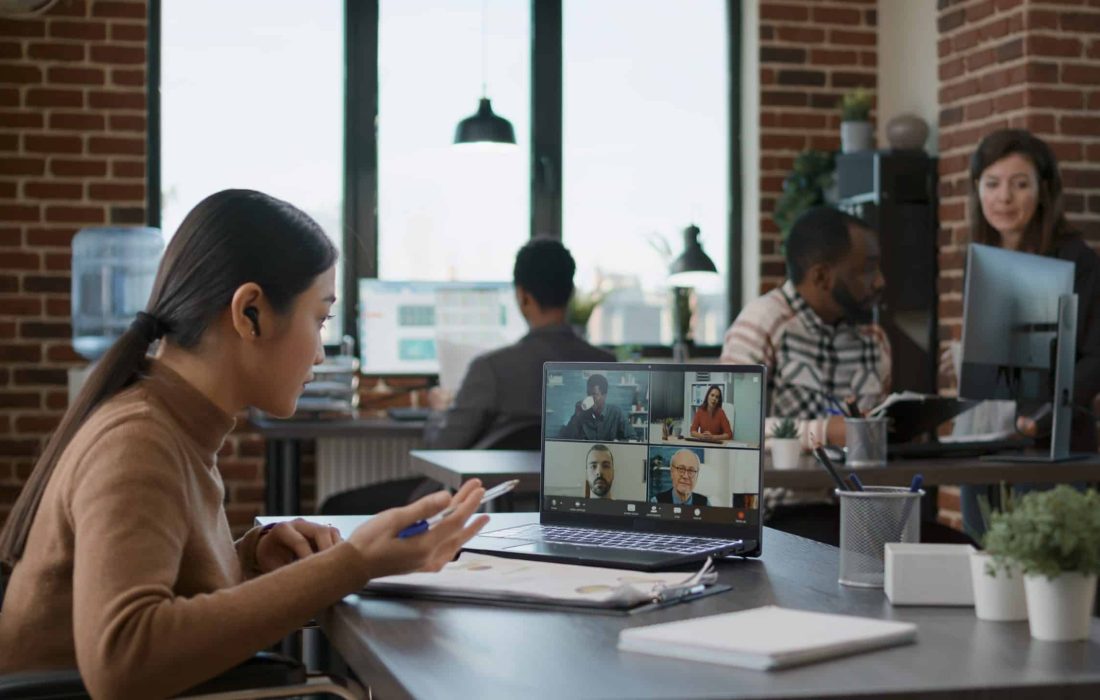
<point>621,485</point>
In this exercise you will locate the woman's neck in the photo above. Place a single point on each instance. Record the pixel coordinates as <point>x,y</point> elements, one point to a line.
<point>212,379</point>
<point>1011,240</point>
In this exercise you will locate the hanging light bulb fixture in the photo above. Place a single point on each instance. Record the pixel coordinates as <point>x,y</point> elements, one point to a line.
<point>484,126</point>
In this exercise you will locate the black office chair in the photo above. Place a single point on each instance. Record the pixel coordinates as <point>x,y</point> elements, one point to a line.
<point>265,675</point>
<point>375,498</point>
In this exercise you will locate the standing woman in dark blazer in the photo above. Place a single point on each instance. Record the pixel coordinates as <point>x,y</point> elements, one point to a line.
<point>1016,203</point>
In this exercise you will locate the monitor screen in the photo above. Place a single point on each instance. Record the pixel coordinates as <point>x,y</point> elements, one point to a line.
<point>1010,312</point>
<point>647,441</point>
<point>403,324</point>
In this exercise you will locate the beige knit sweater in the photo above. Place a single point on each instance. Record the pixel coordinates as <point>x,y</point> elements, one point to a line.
<point>130,572</point>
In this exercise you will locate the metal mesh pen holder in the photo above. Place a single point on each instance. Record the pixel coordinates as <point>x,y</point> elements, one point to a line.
<point>868,520</point>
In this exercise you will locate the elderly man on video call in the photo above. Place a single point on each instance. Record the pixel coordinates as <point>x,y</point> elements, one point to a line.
<point>600,464</point>
<point>684,469</point>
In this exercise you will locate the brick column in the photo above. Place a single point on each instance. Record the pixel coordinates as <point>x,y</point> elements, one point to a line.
<point>811,53</point>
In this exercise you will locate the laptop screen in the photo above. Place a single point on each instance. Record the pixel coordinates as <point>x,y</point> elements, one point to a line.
<point>656,443</point>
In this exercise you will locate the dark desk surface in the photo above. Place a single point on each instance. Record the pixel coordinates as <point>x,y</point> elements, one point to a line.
<point>308,428</point>
<point>452,467</point>
<point>408,648</point>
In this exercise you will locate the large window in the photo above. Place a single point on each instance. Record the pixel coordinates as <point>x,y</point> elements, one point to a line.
<point>447,212</point>
<point>252,96</point>
<point>645,153</point>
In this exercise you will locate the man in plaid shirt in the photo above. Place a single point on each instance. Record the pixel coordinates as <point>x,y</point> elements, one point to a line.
<point>816,333</point>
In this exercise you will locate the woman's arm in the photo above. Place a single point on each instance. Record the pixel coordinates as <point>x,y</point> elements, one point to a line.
<point>696,424</point>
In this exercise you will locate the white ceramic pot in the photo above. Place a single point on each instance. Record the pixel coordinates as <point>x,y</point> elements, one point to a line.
<point>785,452</point>
<point>856,136</point>
<point>997,598</point>
<point>1060,608</point>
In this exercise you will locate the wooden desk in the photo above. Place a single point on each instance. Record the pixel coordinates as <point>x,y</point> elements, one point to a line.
<point>408,648</point>
<point>941,471</point>
<point>284,451</point>
<point>452,467</point>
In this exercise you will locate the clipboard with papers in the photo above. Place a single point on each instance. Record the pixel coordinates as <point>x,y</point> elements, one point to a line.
<point>485,579</point>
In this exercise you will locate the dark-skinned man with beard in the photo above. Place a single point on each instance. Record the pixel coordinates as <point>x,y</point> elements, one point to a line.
<point>816,336</point>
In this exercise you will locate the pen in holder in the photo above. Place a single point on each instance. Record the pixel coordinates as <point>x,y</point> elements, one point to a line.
<point>868,520</point>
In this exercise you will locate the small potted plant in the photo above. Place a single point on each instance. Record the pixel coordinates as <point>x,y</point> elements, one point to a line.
<point>856,133</point>
<point>785,445</point>
<point>998,590</point>
<point>1054,536</point>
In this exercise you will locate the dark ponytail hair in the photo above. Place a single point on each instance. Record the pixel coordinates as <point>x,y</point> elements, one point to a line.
<point>228,239</point>
<point>1048,226</point>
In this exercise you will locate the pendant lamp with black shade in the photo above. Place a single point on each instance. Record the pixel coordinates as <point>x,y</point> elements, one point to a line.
<point>484,126</point>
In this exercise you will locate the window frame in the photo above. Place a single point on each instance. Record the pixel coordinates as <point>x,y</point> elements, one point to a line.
<point>360,231</point>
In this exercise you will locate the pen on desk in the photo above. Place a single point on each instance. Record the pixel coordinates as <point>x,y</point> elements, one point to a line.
<point>824,460</point>
<point>425,525</point>
<point>857,485</point>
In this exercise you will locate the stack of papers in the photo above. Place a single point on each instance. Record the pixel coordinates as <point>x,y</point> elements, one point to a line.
<point>766,638</point>
<point>480,577</point>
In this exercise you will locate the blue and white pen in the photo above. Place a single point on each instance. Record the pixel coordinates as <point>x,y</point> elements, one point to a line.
<point>425,525</point>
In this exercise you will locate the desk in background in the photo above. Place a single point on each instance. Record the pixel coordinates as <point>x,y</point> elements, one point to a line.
<point>452,467</point>
<point>406,648</point>
<point>377,449</point>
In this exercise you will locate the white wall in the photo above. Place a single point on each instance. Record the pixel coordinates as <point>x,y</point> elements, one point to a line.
<point>908,73</point>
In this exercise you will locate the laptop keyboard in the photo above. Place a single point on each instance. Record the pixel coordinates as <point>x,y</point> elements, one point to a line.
<point>617,539</point>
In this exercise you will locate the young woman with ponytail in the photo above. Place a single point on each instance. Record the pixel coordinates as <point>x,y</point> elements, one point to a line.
<point>120,556</point>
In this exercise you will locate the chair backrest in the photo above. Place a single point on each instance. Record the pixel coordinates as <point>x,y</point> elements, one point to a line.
<point>375,498</point>
<point>523,435</point>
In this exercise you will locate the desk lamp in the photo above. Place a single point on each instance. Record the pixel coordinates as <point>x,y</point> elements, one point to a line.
<point>693,268</point>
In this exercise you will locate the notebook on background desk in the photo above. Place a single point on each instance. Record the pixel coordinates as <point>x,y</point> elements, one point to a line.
<point>627,497</point>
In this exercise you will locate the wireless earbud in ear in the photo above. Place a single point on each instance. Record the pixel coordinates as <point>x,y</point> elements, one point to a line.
<point>253,315</point>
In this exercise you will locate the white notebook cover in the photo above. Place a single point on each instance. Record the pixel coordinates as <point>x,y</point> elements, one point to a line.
<point>766,638</point>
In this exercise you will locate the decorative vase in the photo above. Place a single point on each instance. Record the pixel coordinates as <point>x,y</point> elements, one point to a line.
<point>907,132</point>
<point>999,597</point>
<point>785,452</point>
<point>856,136</point>
<point>1060,608</point>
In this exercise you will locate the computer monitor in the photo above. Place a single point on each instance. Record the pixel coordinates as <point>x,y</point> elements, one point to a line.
<point>1019,332</point>
<point>402,323</point>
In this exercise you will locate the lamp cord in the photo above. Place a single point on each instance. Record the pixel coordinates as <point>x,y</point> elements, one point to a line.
<point>484,48</point>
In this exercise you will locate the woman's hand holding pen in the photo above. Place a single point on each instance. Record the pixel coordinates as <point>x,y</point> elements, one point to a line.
<point>284,542</point>
<point>386,554</point>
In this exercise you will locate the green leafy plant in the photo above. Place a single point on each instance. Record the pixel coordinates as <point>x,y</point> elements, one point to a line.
<point>805,187</point>
<point>987,508</point>
<point>785,429</point>
<point>1048,533</point>
<point>581,305</point>
<point>856,105</point>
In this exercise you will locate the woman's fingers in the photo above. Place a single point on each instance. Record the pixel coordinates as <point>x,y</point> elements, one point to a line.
<point>288,536</point>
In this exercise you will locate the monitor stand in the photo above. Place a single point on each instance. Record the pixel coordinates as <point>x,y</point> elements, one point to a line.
<point>1062,408</point>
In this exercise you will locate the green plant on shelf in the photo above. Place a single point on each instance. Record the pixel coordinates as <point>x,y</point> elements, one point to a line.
<point>855,106</point>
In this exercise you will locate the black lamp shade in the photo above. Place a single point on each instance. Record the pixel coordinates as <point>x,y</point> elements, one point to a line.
<point>485,127</point>
<point>693,264</point>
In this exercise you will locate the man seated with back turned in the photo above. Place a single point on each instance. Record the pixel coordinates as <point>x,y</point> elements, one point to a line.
<point>816,337</point>
<point>504,387</point>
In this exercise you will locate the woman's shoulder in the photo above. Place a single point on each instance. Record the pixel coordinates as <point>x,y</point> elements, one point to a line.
<point>129,417</point>
<point>1074,248</point>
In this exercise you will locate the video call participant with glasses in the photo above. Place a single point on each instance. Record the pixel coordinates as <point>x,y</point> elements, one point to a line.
<point>684,470</point>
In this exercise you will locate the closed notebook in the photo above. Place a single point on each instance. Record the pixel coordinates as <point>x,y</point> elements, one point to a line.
<point>766,638</point>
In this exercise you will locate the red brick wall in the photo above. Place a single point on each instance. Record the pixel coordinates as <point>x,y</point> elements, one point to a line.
<point>72,154</point>
<point>811,53</point>
<point>1031,64</point>
<point>1023,64</point>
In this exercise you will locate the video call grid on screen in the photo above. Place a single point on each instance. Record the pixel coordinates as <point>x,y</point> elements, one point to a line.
<point>642,443</point>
